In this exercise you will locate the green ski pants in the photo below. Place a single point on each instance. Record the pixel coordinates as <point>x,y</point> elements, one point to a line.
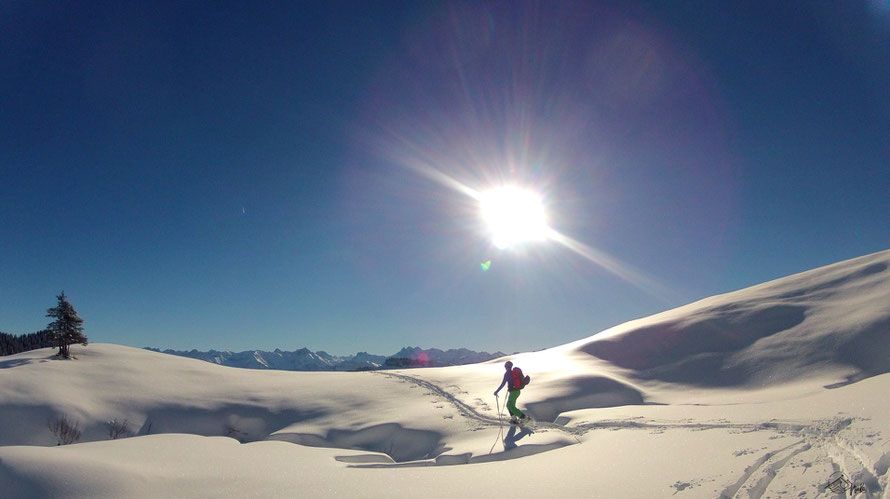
<point>511,404</point>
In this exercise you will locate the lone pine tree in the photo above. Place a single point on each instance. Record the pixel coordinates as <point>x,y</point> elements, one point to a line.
<point>67,328</point>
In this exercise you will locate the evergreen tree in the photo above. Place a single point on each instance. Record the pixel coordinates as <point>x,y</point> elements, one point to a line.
<point>11,344</point>
<point>67,328</point>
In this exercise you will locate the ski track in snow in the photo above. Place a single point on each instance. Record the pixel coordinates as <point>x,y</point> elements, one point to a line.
<point>757,478</point>
<point>817,441</point>
<point>823,442</point>
<point>469,412</point>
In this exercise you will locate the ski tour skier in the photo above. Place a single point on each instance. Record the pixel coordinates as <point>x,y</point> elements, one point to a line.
<point>515,382</point>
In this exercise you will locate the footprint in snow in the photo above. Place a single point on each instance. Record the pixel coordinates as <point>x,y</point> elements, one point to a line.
<point>681,486</point>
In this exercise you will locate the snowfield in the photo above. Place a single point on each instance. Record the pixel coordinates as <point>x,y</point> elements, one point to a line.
<point>763,392</point>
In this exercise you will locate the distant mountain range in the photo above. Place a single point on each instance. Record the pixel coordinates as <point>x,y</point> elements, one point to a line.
<point>307,360</point>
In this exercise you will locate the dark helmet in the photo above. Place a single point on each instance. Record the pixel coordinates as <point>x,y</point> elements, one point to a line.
<point>508,365</point>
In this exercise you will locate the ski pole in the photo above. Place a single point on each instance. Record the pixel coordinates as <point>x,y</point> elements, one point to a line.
<point>497,403</point>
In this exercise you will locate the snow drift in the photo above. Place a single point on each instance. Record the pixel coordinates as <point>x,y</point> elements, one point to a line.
<point>833,317</point>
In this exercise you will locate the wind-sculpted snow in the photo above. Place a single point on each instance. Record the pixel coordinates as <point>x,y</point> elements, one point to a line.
<point>680,350</point>
<point>584,392</point>
<point>399,443</point>
<point>771,333</point>
<point>154,393</point>
<point>241,421</point>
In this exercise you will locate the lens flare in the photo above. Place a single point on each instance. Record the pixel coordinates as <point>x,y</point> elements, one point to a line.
<point>514,112</point>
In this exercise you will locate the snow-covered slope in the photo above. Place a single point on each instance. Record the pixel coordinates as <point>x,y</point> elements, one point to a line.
<point>764,392</point>
<point>836,317</point>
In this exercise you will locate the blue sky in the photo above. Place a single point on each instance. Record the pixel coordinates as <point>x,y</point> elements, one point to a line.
<point>230,175</point>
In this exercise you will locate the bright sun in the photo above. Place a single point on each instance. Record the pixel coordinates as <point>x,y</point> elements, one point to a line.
<point>513,216</point>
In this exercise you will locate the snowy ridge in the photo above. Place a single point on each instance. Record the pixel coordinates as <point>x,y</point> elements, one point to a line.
<point>833,317</point>
<point>763,392</point>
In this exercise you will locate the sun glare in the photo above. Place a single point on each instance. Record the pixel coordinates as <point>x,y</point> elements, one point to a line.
<point>513,216</point>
